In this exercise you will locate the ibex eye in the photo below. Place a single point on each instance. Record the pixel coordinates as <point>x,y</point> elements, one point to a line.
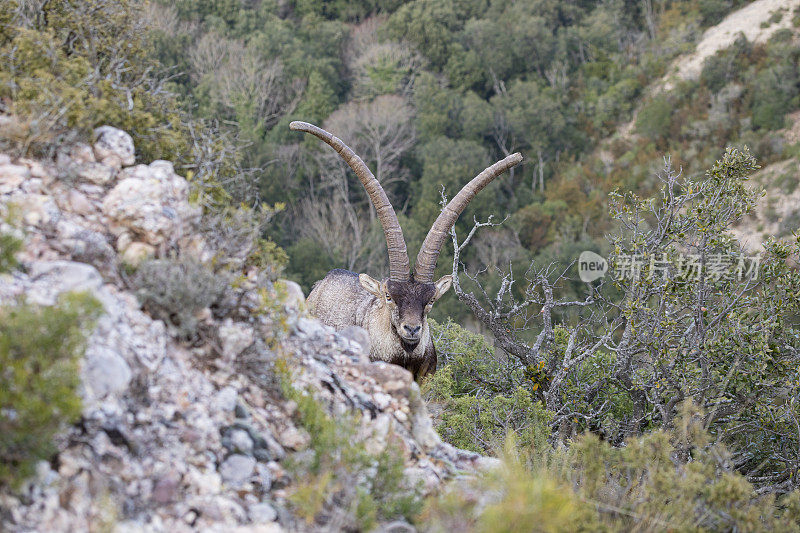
<point>388,298</point>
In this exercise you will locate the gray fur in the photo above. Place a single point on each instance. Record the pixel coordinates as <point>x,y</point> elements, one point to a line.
<point>339,300</point>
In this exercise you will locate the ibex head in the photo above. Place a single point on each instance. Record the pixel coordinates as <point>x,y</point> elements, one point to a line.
<point>408,303</point>
<point>408,296</point>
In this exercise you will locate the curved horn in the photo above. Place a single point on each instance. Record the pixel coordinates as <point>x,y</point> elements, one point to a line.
<point>429,252</point>
<point>399,268</point>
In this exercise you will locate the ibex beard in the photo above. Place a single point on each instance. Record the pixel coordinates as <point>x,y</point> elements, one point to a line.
<point>394,310</point>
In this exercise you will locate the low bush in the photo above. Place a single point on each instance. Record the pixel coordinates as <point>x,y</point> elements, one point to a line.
<point>662,481</point>
<point>39,352</point>
<point>177,290</point>
<point>477,399</point>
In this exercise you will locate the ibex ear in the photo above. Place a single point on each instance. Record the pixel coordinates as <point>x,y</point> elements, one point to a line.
<point>442,286</point>
<point>372,285</point>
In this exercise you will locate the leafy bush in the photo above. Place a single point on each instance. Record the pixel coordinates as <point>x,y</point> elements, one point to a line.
<point>654,119</point>
<point>72,66</point>
<point>9,246</point>
<point>665,480</point>
<point>480,421</point>
<point>39,352</point>
<point>176,290</point>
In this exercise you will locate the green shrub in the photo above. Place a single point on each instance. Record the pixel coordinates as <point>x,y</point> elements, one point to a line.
<point>479,400</point>
<point>63,73</point>
<point>9,246</point>
<point>39,352</point>
<point>661,481</point>
<point>176,290</point>
<point>655,118</point>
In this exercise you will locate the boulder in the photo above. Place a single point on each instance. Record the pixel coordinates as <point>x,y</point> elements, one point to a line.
<point>113,147</point>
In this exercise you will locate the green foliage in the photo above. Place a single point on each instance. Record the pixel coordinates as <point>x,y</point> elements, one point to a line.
<point>39,352</point>
<point>672,480</point>
<point>480,422</point>
<point>10,244</point>
<point>63,73</point>
<point>177,290</point>
<point>654,118</point>
<point>340,473</point>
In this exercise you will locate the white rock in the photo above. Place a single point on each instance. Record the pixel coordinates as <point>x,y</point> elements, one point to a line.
<point>51,278</point>
<point>79,203</point>
<point>237,469</point>
<point>10,183</point>
<point>113,147</point>
<point>226,399</point>
<point>234,338</point>
<point>295,299</point>
<point>137,252</point>
<point>96,173</point>
<point>311,327</point>
<point>262,512</point>
<point>241,441</point>
<point>81,153</point>
<point>104,372</point>
<point>152,202</point>
<point>9,170</point>
<point>37,209</point>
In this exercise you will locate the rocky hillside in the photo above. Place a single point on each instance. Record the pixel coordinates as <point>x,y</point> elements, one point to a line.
<point>220,433</point>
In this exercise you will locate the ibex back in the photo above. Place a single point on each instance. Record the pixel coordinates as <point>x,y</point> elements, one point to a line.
<point>394,310</point>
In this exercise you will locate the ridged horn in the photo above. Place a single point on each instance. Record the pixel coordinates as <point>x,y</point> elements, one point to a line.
<point>399,267</point>
<point>429,252</point>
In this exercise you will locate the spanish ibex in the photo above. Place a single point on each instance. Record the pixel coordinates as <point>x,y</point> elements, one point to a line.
<point>393,311</point>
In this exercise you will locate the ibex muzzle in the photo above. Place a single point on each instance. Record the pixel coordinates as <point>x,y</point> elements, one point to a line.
<point>394,310</point>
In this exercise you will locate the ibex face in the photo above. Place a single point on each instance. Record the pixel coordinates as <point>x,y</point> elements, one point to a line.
<point>407,303</point>
<point>393,311</point>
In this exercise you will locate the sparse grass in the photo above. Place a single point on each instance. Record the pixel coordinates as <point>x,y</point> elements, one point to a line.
<point>338,484</point>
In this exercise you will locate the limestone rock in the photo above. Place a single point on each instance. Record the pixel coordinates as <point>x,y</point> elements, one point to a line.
<point>235,338</point>
<point>237,469</point>
<point>152,202</point>
<point>97,173</point>
<point>137,252</point>
<point>113,147</point>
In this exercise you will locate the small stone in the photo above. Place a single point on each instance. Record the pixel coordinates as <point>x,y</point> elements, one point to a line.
<point>237,469</point>
<point>105,371</point>
<point>295,299</point>
<point>234,339</point>
<point>226,399</point>
<point>166,488</point>
<point>10,183</point>
<point>96,173</point>
<point>79,203</point>
<point>82,153</point>
<point>264,475</point>
<point>114,147</point>
<point>137,252</point>
<point>358,336</point>
<point>241,441</point>
<point>10,170</point>
<point>261,513</point>
<point>310,327</point>
<point>293,439</point>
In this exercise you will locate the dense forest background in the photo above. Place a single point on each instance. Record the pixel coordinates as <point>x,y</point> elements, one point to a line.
<point>430,92</point>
